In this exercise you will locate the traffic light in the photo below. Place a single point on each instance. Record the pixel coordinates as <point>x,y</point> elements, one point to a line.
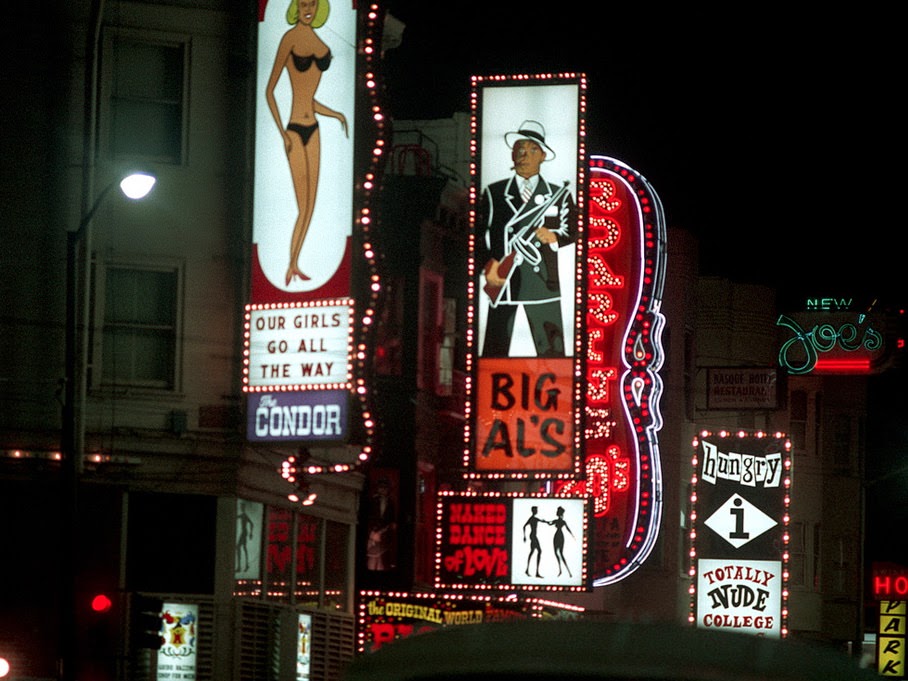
<point>145,623</point>
<point>98,622</point>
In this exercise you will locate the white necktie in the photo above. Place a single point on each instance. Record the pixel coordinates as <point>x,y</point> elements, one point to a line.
<point>526,192</point>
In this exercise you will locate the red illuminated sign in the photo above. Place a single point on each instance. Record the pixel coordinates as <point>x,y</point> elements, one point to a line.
<point>889,582</point>
<point>498,541</point>
<point>625,267</point>
<point>387,617</point>
<point>529,422</point>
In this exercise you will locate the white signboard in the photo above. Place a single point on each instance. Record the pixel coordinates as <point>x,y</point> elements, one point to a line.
<point>303,647</point>
<point>177,657</point>
<point>738,521</point>
<point>548,541</point>
<point>299,347</point>
<point>740,595</point>
<point>304,146</point>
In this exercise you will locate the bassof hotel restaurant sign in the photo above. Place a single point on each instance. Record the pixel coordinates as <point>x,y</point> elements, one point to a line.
<point>565,323</point>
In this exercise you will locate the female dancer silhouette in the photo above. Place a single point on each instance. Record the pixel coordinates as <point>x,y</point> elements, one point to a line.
<point>535,548</point>
<point>305,57</point>
<point>560,525</point>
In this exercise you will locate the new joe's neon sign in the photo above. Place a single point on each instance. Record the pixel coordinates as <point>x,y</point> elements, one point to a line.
<point>841,341</point>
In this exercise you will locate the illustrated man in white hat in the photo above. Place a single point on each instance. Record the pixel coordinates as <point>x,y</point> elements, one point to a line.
<point>525,219</point>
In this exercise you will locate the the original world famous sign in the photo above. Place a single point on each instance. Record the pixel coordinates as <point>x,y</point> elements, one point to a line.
<point>739,512</point>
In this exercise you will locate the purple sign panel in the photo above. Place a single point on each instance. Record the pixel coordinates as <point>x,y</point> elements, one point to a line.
<point>297,416</point>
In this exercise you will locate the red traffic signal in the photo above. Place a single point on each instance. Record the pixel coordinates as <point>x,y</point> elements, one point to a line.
<point>101,603</point>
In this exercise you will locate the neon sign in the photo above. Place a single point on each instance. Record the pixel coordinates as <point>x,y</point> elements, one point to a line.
<point>800,354</point>
<point>511,541</point>
<point>625,267</point>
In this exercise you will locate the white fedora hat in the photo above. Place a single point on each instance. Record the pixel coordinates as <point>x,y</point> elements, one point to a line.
<point>533,131</point>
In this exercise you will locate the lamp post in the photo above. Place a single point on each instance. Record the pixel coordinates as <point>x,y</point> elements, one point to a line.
<point>134,186</point>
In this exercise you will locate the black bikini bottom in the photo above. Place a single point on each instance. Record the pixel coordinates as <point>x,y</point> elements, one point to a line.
<point>304,131</point>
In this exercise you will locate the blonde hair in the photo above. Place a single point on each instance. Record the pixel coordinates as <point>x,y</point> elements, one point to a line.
<point>321,13</point>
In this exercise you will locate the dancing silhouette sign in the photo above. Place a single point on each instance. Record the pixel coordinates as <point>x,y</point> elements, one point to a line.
<point>528,542</point>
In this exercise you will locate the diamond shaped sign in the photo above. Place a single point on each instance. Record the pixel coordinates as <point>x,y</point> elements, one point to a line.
<point>738,521</point>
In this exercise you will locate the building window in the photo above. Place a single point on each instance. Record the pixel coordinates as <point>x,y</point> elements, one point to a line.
<point>797,420</point>
<point>139,337</point>
<point>446,356</point>
<point>147,94</point>
<point>431,330</point>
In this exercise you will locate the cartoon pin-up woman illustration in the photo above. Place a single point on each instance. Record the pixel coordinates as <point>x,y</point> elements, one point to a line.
<point>306,57</point>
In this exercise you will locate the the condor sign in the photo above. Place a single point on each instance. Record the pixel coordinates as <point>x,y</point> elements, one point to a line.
<point>310,415</point>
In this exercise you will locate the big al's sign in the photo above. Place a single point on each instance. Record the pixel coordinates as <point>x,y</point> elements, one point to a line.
<point>739,512</point>
<point>524,265</point>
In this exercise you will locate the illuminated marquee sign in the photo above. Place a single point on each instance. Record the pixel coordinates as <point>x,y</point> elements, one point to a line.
<point>625,271</point>
<point>523,313</point>
<point>387,617</point>
<point>495,541</point>
<point>316,117</point>
<point>298,347</point>
<point>739,532</point>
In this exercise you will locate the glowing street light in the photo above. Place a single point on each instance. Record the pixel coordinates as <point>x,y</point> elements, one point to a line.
<point>134,186</point>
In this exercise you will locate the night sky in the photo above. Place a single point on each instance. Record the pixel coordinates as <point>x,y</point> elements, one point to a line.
<point>771,136</point>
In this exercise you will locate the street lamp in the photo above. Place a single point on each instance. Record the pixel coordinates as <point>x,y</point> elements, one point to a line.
<point>134,186</point>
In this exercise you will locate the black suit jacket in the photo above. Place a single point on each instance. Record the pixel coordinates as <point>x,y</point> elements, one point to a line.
<point>503,216</point>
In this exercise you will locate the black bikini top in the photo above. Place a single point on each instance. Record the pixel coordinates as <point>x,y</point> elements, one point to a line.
<point>305,63</point>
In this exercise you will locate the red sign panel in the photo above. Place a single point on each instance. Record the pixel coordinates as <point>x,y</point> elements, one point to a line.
<point>511,542</point>
<point>625,269</point>
<point>525,416</point>
<point>387,617</point>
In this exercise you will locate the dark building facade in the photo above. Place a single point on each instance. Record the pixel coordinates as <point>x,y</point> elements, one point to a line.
<point>165,479</point>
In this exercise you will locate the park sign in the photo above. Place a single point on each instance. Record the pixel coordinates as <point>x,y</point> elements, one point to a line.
<point>740,496</point>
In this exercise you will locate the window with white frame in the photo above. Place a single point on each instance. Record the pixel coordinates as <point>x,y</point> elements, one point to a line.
<point>146,77</point>
<point>139,332</point>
